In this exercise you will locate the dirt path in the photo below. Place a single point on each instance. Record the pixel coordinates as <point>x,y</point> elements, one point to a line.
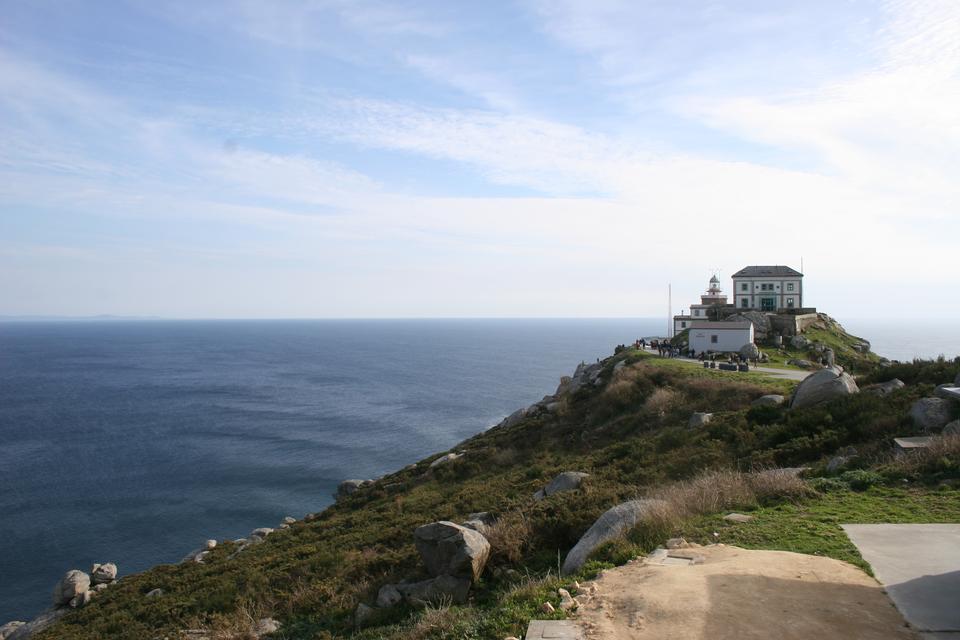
<point>738,594</point>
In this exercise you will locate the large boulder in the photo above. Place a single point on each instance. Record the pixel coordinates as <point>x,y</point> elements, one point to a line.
<point>566,481</point>
<point>799,342</point>
<point>614,523</point>
<point>8,629</point>
<point>750,351</point>
<point>884,388</point>
<point>439,590</point>
<point>799,362</point>
<point>952,429</point>
<point>931,414</point>
<point>71,585</point>
<point>452,550</point>
<point>771,400</point>
<point>103,573</point>
<point>823,386</point>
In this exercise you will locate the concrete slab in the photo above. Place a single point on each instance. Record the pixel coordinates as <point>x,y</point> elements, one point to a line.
<point>554,630</point>
<point>919,564</point>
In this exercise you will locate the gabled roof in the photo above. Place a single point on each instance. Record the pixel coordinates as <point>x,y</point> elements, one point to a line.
<point>774,271</point>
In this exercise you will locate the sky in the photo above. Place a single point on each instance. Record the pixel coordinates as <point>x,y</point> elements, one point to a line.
<point>513,158</point>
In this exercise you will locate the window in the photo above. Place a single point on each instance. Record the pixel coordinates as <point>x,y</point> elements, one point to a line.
<point>683,325</point>
<point>713,339</point>
<point>790,303</point>
<point>744,303</point>
<point>789,286</point>
<point>744,287</point>
<point>696,312</point>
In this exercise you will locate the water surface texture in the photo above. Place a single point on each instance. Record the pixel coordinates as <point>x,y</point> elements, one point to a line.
<point>133,442</point>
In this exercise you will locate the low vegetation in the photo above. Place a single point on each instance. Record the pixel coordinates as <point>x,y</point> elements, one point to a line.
<point>631,435</point>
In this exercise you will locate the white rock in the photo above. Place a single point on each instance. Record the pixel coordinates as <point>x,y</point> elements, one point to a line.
<point>155,593</point>
<point>388,596</point>
<point>442,460</point>
<point>103,573</point>
<point>265,626</point>
<point>699,419</point>
<point>210,545</point>
<point>289,520</point>
<point>450,549</point>
<point>72,584</point>
<point>823,386</point>
<point>8,629</point>
<point>614,523</point>
<point>931,414</point>
<point>566,481</point>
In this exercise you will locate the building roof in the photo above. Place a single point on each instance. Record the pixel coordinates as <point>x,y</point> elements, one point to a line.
<point>723,324</point>
<point>714,279</point>
<point>772,271</point>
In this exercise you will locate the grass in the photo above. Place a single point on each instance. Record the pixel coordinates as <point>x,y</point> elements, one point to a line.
<point>812,525</point>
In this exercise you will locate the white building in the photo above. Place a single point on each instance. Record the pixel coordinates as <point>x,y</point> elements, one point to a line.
<point>768,288</point>
<point>712,298</point>
<point>708,336</point>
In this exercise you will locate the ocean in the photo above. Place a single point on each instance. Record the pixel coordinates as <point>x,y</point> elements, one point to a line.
<point>134,441</point>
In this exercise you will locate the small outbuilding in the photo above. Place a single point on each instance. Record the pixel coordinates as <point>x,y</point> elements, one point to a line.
<point>720,336</point>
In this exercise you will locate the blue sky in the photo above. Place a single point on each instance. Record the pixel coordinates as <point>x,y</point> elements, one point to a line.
<point>392,159</point>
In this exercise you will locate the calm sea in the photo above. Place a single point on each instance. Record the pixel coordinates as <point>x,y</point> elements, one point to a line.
<point>134,442</point>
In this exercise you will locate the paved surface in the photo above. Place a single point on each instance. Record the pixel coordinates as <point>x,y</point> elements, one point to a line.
<point>788,374</point>
<point>919,564</point>
<point>554,630</point>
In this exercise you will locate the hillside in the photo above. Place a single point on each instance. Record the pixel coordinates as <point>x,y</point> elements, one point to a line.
<point>625,423</point>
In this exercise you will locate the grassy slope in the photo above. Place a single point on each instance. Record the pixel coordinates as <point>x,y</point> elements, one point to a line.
<point>630,435</point>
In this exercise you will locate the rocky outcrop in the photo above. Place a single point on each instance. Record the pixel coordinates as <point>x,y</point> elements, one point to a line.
<point>947,392</point>
<point>566,481</point>
<point>38,624</point>
<point>71,585</point>
<point>699,419</point>
<point>8,629</point>
<point>615,522</point>
<point>799,342</point>
<point>823,386</point>
<point>771,400</point>
<point>952,429</point>
<point>931,414</point>
<point>450,549</point>
<point>445,459</point>
<point>799,362</point>
<point>761,323</point>
<point>884,388</point>
<point>266,626</point>
<point>103,573</point>
<point>349,487</point>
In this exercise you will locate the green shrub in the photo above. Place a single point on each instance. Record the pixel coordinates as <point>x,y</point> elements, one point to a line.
<point>828,485</point>
<point>861,479</point>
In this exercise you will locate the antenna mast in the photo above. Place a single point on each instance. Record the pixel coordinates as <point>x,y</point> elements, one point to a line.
<point>669,310</point>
